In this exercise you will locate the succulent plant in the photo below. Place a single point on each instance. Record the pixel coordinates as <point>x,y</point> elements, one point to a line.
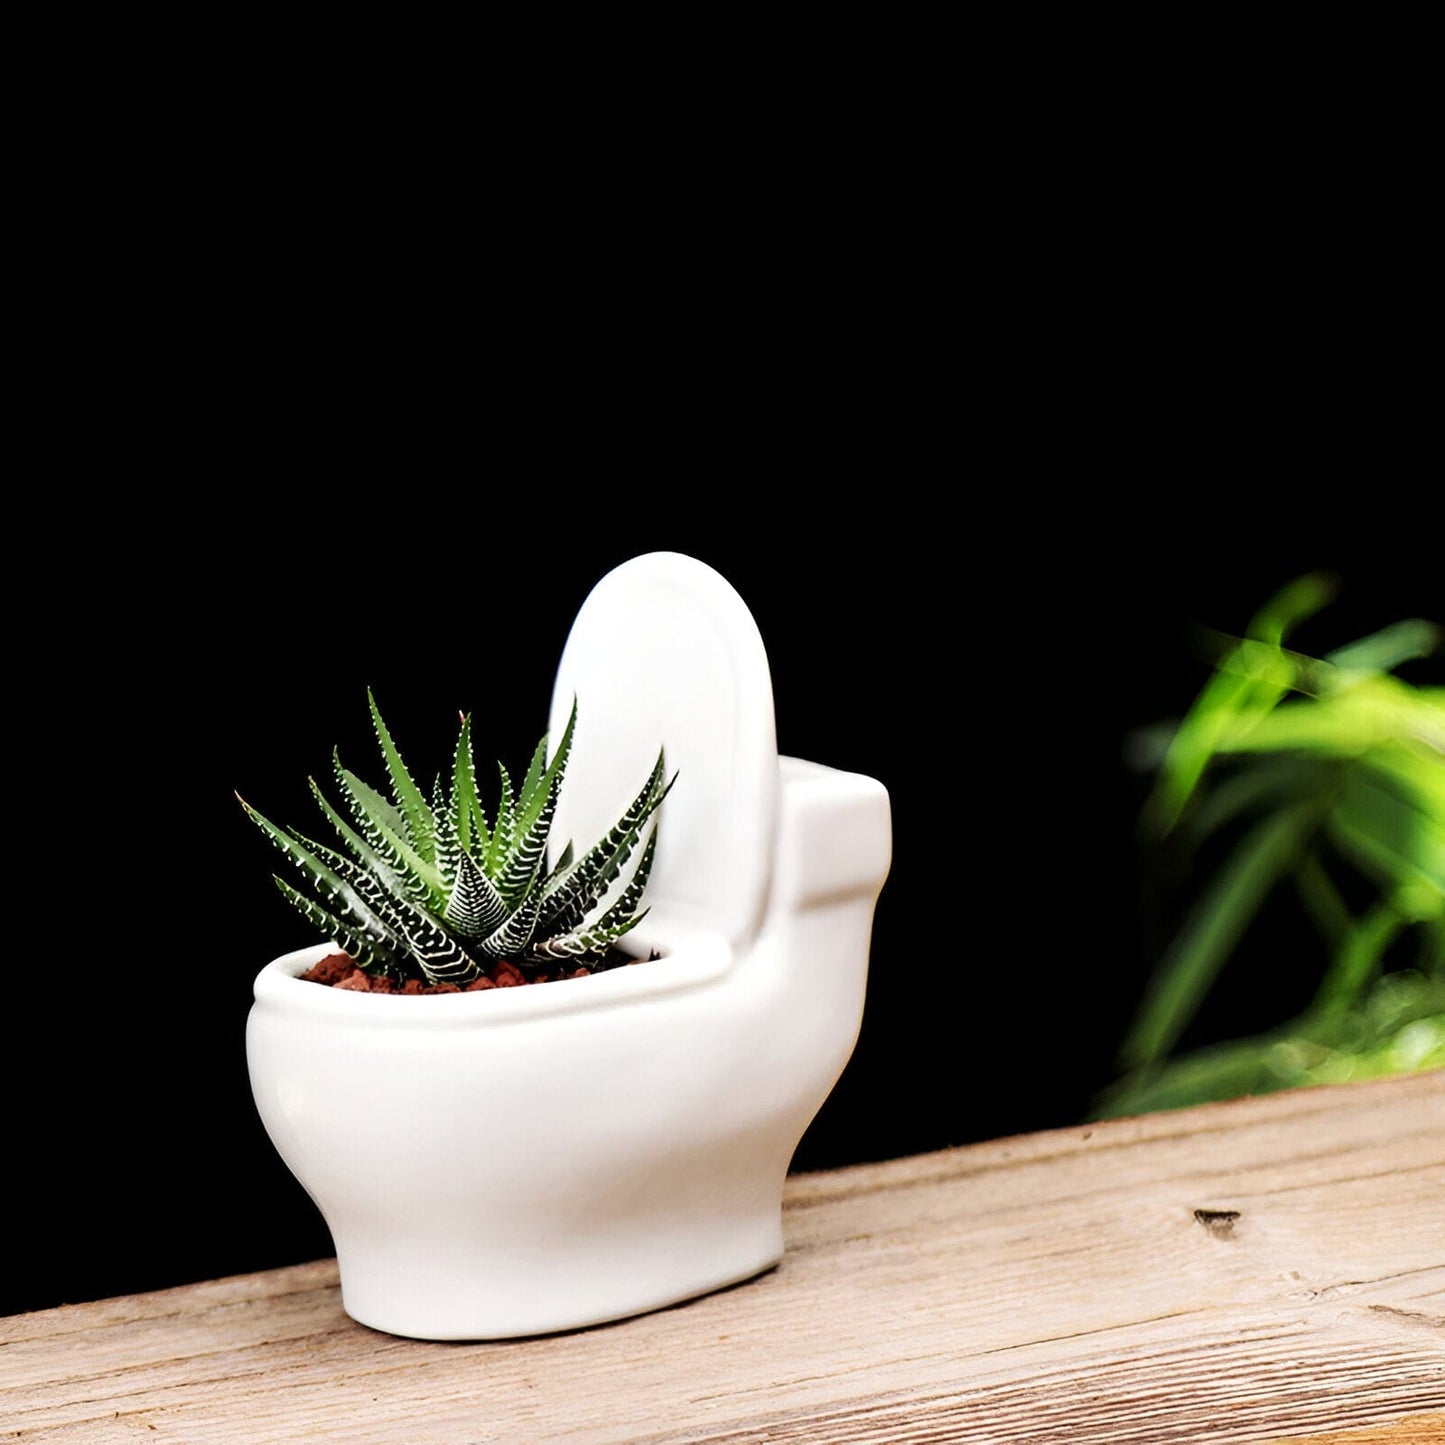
<point>431,890</point>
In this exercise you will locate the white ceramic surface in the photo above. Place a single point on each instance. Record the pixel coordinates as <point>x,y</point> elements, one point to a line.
<point>527,1160</point>
<point>664,650</point>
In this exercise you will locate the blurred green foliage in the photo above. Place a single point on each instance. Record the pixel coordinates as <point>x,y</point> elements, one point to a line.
<point>1323,777</point>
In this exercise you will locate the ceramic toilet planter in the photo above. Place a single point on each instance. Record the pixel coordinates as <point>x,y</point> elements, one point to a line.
<point>527,1160</point>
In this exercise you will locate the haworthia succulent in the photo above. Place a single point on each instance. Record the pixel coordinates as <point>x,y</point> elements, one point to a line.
<point>434,891</point>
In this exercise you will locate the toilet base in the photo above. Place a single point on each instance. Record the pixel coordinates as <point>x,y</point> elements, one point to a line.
<point>505,1289</point>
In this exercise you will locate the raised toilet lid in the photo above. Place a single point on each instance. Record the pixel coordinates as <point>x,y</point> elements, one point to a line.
<point>665,652</point>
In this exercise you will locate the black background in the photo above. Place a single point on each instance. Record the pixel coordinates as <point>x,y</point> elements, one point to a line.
<point>978,486</point>
<point>985,665</point>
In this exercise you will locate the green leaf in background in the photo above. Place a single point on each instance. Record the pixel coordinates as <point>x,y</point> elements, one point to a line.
<point>1323,779</point>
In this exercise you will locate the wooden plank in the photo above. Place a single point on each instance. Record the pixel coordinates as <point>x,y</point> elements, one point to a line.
<point>1415,1430</point>
<point>1258,1271</point>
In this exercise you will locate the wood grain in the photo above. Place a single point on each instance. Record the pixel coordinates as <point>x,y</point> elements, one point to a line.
<point>1267,1270</point>
<point>1415,1430</point>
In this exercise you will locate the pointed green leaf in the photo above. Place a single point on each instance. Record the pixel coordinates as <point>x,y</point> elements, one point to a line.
<point>385,831</point>
<point>468,815</point>
<point>419,825</point>
<point>1211,932</point>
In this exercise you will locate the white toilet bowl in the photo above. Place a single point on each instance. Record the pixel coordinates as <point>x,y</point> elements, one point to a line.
<point>525,1160</point>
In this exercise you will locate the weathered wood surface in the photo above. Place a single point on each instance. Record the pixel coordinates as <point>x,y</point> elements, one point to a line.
<point>1263,1270</point>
